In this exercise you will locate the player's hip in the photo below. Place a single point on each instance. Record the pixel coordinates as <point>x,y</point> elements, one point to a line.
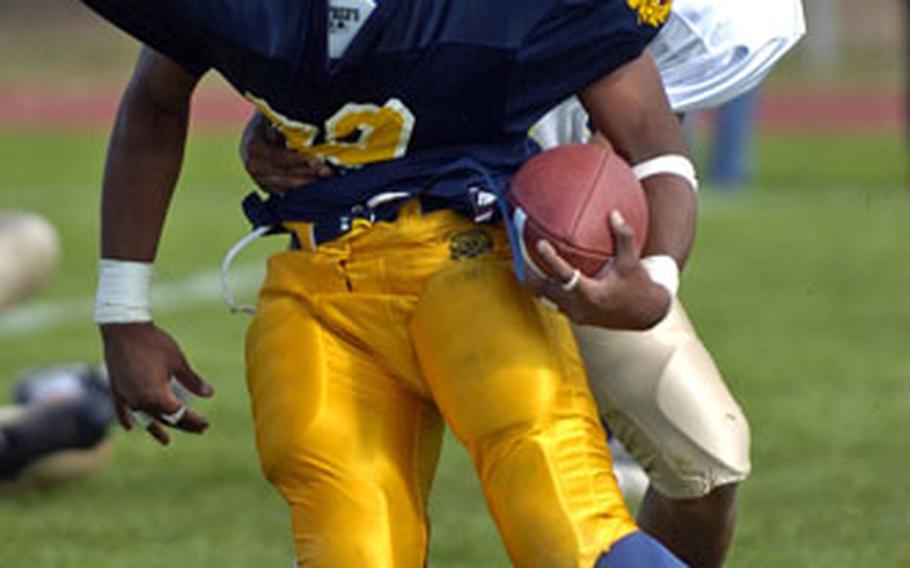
<point>385,257</point>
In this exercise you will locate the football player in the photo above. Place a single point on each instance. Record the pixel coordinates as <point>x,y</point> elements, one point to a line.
<point>659,390</point>
<point>394,312</point>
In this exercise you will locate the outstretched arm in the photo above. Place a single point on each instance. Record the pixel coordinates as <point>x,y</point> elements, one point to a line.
<point>143,162</point>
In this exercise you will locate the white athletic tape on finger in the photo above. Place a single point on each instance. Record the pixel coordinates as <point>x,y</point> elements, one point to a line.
<point>141,418</point>
<point>184,394</point>
<point>144,419</point>
<point>573,281</point>
<point>174,417</point>
<point>671,164</point>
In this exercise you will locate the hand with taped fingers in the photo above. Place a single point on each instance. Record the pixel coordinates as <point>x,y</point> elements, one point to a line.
<point>142,360</point>
<point>272,165</point>
<point>625,297</point>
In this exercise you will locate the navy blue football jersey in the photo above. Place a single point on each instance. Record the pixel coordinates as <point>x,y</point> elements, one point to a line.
<point>432,97</point>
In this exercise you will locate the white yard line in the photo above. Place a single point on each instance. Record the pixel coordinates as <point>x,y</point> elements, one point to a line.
<point>201,288</point>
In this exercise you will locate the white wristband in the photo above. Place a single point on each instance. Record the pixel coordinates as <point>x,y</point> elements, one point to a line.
<point>663,270</point>
<point>672,164</point>
<point>123,292</point>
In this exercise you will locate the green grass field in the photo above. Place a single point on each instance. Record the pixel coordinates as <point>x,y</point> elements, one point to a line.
<point>799,287</point>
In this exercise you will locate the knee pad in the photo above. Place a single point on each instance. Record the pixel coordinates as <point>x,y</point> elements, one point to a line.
<point>665,400</point>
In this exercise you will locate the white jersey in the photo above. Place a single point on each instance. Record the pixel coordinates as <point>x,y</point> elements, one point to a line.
<point>709,52</point>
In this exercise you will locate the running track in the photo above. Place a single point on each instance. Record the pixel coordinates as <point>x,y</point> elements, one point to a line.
<point>817,111</point>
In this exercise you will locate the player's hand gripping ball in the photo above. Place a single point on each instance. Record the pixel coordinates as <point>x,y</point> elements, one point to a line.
<point>565,195</point>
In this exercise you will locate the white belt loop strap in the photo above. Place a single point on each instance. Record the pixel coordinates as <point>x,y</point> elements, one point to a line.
<point>672,164</point>
<point>386,197</point>
<point>226,292</point>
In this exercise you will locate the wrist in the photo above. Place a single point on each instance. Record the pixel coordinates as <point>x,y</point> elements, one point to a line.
<point>661,304</point>
<point>668,164</point>
<point>663,271</point>
<point>123,292</point>
<point>112,330</point>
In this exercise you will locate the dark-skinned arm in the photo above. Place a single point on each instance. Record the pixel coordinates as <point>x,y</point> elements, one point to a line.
<point>143,163</point>
<point>631,110</point>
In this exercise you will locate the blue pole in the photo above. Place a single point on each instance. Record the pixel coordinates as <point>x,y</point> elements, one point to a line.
<point>731,153</point>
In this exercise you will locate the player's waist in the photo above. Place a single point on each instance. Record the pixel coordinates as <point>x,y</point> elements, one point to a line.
<point>465,180</point>
<point>396,257</point>
<point>413,231</point>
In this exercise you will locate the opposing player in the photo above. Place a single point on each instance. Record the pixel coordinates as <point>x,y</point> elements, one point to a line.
<point>382,323</point>
<point>659,390</point>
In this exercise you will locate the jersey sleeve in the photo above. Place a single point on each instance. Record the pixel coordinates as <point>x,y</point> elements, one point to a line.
<point>160,25</point>
<point>578,42</point>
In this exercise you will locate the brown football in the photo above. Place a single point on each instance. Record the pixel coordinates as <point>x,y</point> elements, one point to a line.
<point>565,195</point>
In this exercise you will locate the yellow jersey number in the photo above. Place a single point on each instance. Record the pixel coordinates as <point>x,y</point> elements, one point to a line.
<point>357,134</point>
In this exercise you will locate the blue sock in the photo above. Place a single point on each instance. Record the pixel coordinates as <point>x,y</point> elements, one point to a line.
<point>638,550</point>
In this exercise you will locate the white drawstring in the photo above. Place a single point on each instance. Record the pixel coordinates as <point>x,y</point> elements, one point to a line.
<point>226,267</point>
<point>244,242</point>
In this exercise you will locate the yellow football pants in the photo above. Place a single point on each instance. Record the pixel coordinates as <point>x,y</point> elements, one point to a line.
<point>363,348</point>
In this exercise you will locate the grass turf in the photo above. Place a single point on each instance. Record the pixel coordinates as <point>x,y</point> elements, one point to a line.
<point>798,287</point>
